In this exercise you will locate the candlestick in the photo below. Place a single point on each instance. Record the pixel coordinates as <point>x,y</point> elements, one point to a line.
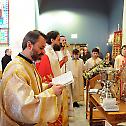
<point>118,27</point>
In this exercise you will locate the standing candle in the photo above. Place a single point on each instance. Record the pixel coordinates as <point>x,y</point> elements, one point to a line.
<point>118,27</point>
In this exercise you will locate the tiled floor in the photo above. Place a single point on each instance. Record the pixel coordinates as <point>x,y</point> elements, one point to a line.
<point>79,118</point>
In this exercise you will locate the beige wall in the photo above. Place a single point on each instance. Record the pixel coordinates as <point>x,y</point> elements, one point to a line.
<point>21,20</point>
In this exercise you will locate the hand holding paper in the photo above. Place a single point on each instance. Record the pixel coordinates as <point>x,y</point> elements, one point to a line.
<point>57,89</point>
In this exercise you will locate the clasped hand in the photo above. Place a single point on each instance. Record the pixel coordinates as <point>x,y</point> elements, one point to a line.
<point>57,89</point>
<point>65,59</point>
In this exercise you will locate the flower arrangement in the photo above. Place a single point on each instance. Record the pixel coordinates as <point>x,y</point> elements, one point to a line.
<point>94,70</point>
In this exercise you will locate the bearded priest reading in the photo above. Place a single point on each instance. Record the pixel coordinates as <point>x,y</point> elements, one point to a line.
<point>24,99</point>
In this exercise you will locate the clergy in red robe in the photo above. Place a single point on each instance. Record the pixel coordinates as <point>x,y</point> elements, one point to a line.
<point>46,73</point>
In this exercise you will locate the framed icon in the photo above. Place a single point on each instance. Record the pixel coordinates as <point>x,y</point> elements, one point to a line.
<point>4,22</point>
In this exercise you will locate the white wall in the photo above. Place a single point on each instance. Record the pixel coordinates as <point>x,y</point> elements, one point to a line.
<point>22,18</point>
<point>124,24</point>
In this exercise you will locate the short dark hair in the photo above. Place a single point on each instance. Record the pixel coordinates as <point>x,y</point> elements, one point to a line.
<point>62,36</point>
<point>6,50</point>
<point>75,51</point>
<point>32,36</point>
<point>95,50</point>
<point>51,35</point>
<point>124,46</point>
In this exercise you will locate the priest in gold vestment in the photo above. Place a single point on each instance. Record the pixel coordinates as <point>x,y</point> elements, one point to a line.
<point>24,99</point>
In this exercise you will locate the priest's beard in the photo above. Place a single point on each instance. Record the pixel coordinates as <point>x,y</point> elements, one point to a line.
<point>35,56</point>
<point>56,47</point>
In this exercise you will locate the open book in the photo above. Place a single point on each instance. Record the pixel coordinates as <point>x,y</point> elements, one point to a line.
<point>64,79</point>
<point>110,104</point>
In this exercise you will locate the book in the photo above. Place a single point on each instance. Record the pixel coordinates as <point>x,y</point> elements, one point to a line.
<point>63,79</point>
<point>110,105</point>
<point>93,91</point>
<point>114,108</point>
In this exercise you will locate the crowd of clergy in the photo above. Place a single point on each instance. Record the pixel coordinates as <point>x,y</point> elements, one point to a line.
<point>27,95</point>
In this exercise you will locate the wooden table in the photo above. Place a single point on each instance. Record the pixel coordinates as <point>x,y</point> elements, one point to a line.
<point>112,117</point>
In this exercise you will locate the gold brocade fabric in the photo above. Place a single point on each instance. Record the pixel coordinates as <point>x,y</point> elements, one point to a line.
<point>63,118</point>
<point>24,99</point>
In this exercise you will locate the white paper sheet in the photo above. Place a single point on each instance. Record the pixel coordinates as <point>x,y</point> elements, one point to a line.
<point>64,79</point>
